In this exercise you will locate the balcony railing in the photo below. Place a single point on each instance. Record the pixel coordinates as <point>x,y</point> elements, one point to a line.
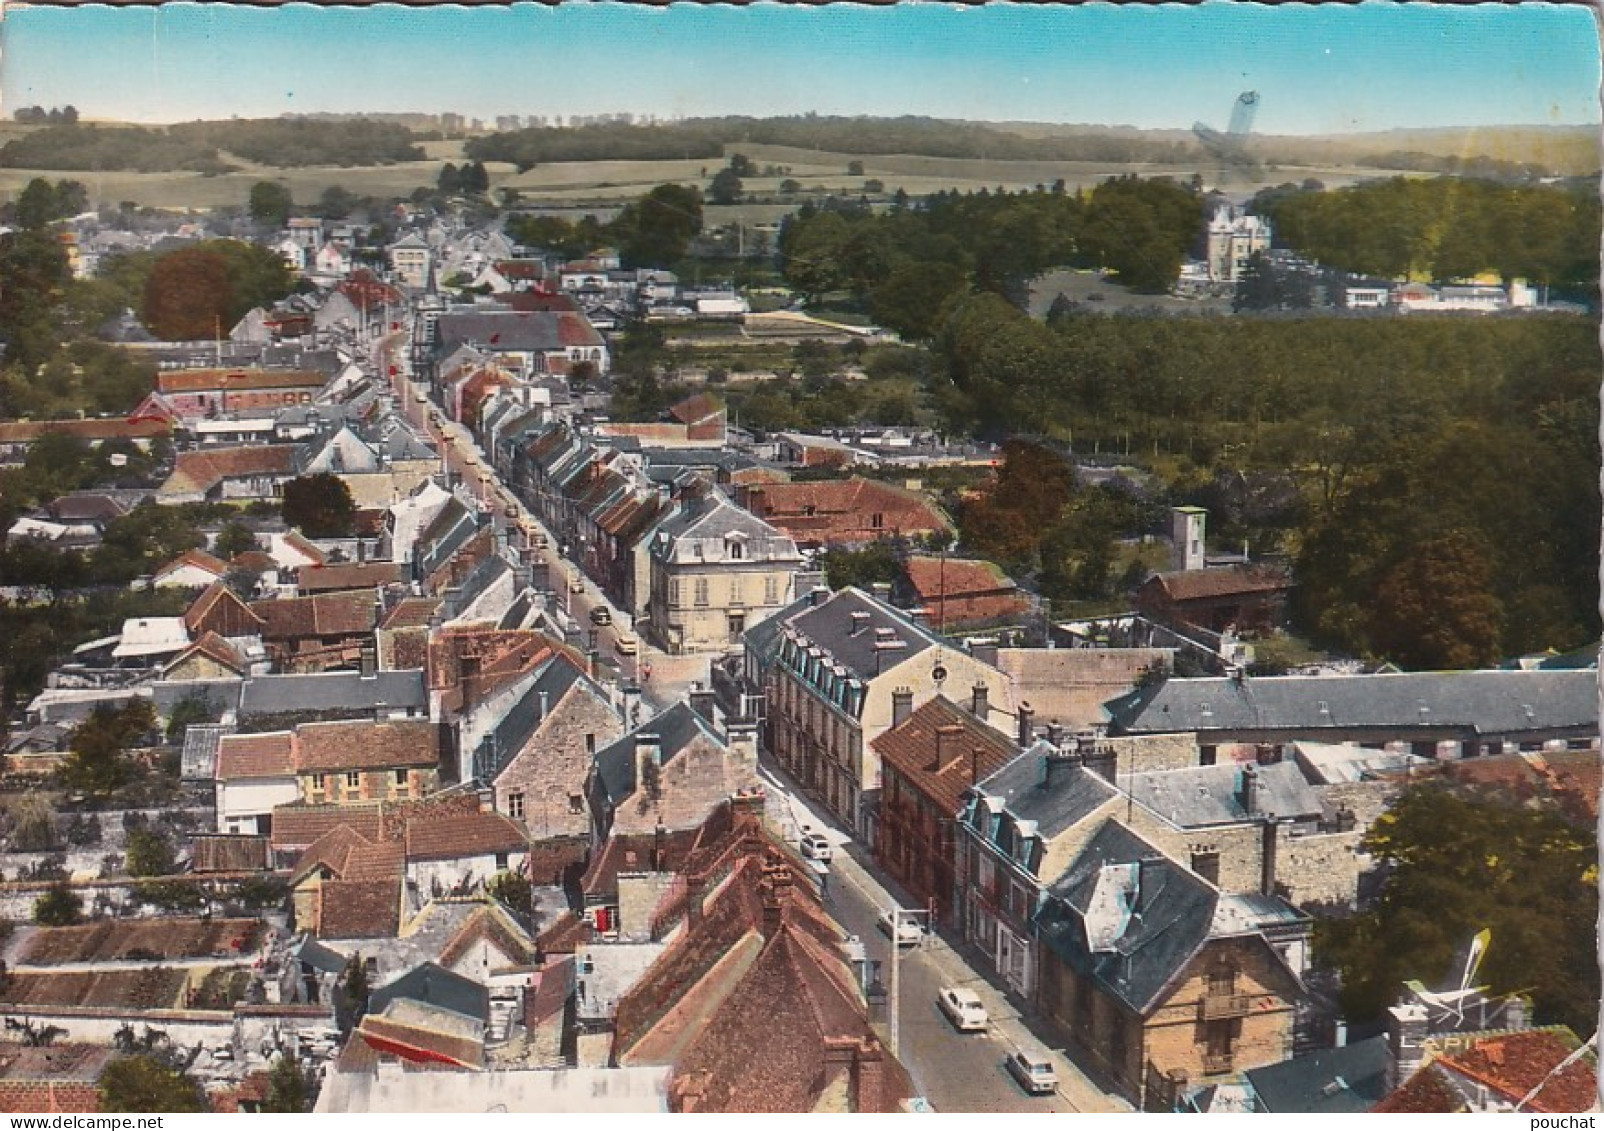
<point>1216,1063</point>
<point>1221,1007</point>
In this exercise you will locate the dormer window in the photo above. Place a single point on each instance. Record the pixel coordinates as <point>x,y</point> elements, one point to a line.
<point>734,549</point>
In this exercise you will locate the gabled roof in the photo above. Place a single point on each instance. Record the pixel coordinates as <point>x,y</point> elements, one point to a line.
<point>1514,1064</point>
<point>203,469</point>
<point>213,647</point>
<point>363,744</point>
<point>492,925</point>
<point>843,510</point>
<point>298,826</point>
<point>697,408</point>
<point>516,331</point>
<point>941,729</point>
<point>1225,581</point>
<point>410,612</point>
<point>1338,1081</point>
<point>193,559</point>
<point>359,909</point>
<point>347,575</point>
<point>349,692</point>
<point>326,614</point>
<point>433,985</point>
<point>1479,702</point>
<point>241,757</point>
<point>1052,803</point>
<point>675,729</point>
<point>220,599</point>
<point>417,1044</point>
<point>960,590</point>
<point>458,836</point>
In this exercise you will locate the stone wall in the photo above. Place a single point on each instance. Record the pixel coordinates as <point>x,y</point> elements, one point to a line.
<point>550,770</point>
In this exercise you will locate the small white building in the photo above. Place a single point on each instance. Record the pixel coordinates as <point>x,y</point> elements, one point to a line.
<point>255,773</point>
<point>1232,241</point>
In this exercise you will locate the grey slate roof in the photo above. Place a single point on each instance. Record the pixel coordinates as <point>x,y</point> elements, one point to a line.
<point>509,331</point>
<point>675,729</point>
<point>220,695</point>
<point>198,761</point>
<point>450,528</point>
<point>831,627</point>
<point>312,953</point>
<point>1342,1081</point>
<point>1169,923</point>
<point>554,678</point>
<point>335,691</point>
<point>1198,796</point>
<point>432,984</point>
<point>1073,794</point>
<point>1479,702</point>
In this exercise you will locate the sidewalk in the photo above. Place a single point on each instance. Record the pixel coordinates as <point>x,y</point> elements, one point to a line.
<point>946,952</point>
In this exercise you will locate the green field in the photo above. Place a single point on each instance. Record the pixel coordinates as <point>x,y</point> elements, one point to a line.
<point>610,183</point>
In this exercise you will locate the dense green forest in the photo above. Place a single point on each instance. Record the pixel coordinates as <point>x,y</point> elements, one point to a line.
<point>707,137</point>
<point>1443,228</point>
<point>200,146</point>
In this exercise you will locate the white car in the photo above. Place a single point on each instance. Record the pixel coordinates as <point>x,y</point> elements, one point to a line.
<point>1033,1071</point>
<point>963,1008</point>
<point>909,931</point>
<point>816,847</point>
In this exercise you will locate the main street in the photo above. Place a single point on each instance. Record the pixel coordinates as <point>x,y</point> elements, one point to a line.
<point>953,1071</point>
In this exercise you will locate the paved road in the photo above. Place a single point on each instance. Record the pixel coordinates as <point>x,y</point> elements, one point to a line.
<point>957,1072</point>
<point>663,679</point>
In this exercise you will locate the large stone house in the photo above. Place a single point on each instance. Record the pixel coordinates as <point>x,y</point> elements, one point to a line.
<point>716,571</point>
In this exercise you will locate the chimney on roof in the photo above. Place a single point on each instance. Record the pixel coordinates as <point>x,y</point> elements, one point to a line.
<point>984,650</point>
<point>860,621</point>
<point>659,843</point>
<point>978,702</point>
<point>818,596</point>
<point>1027,725</point>
<point>776,895</point>
<point>370,661</point>
<point>545,704</point>
<point>1248,791</point>
<point>881,591</point>
<point>1055,734</point>
<point>901,705</point>
<point>1406,1040</point>
<point>361,552</point>
<point>742,742</point>
<point>648,750</point>
<point>701,701</point>
<point>947,750</point>
<point>1268,847</point>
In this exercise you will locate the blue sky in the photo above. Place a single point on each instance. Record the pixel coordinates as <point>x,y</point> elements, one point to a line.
<point>1318,69</point>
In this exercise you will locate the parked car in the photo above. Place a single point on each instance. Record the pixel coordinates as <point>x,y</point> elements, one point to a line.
<point>1033,1071</point>
<point>576,584</point>
<point>601,615</point>
<point>816,847</point>
<point>909,931</point>
<point>626,645</point>
<point>963,1008</point>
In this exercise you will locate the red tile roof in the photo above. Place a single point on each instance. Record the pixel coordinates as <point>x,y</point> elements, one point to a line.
<point>957,591</point>
<point>297,826</point>
<point>332,850</point>
<point>326,614</point>
<point>414,1043</point>
<point>347,575</point>
<point>940,726</point>
<point>364,744</point>
<point>411,612</point>
<point>197,558</point>
<point>204,469</point>
<point>697,409</point>
<point>455,837</point>
<point>236,380</point>
<point>844,511</point>
<point>26,431</point>
<point>359,909</point>
<point>490,926</point>
<point>219,609</point>
<point>214,648</point>
<point>1230,581</point>
<point>1514,1063</point>
<point>242,757</point>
